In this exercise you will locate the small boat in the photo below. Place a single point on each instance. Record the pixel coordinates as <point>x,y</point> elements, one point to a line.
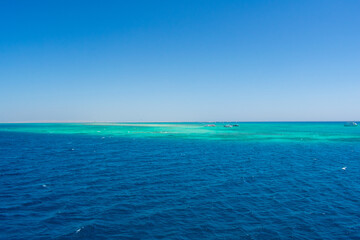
<point>350,124</point>
<point>210,125</point>
<point>235,125</point>
<point>228,126</point>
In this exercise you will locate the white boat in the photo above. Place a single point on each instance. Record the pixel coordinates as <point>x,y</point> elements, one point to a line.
<point>350,124</point>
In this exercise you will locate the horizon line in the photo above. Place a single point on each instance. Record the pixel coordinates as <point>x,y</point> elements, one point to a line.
<point>266,121</point>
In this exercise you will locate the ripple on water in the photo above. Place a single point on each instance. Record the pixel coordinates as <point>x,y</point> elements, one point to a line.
<point>122,188</point>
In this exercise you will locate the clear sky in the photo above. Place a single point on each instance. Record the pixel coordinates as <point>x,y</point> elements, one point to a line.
<point>179,60</point>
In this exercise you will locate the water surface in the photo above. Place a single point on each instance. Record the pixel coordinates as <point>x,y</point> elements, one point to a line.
<point>179,181</point>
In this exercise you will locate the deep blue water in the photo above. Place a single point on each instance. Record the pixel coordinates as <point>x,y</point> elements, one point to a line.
<point>77,186</point>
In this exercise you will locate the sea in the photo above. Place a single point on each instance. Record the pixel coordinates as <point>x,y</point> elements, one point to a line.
<point>273,180</point>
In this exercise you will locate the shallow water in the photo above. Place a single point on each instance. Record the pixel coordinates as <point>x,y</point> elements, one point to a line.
<point>271,131</point>
<point>179,181</point>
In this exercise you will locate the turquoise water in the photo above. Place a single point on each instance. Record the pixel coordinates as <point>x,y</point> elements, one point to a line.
<point>334,131</point>
<point>179,181</point>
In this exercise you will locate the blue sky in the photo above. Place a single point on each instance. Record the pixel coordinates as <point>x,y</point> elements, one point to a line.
<point>179,60</point>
